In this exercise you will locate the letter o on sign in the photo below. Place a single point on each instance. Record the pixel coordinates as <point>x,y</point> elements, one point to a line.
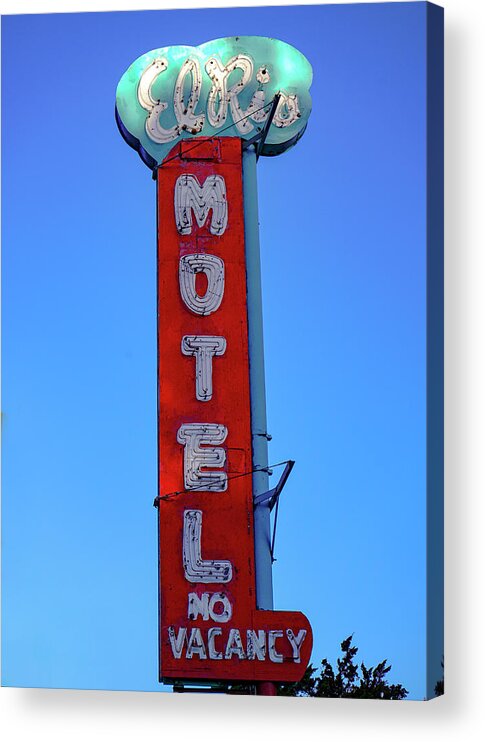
<point>218,615</point>
<point>213,267</point>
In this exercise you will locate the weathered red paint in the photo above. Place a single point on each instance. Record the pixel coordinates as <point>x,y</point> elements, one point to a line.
<point>227,516</point>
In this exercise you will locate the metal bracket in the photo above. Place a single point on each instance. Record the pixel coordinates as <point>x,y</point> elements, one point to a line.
<point>265,435</point>
<point>272,499</point>
<point>273,494</point>
<point>260,137</point>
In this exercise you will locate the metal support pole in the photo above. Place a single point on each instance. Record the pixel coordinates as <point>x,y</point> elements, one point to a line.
<point>262,537</point>
<point>262,526</point>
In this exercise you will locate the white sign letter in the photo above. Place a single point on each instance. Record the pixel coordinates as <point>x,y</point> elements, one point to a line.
<point>256,644</point>
<point>296,642</point>
<point>153,128</point>
<point>213,267</point>
<point>190,196</point>
<point>197,569</point>
<point>195,645</point>
<point>287,111</point>
<point>211,634</point>
<point>273,654</point>
<point>198,606</point>
<point>220,616</point>
<point>234,645</point>
<point>193,436</point>
<point>177,642</point>
<point>203,347</point>
<point>220,95</point>
<point>184,113</point>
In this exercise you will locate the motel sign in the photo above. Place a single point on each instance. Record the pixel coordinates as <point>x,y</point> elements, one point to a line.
<point>199,118</point>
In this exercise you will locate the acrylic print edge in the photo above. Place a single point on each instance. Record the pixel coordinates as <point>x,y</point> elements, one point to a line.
<point>434,349</point>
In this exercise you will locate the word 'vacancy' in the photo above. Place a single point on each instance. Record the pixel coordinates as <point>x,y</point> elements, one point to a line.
<point>218,644</point>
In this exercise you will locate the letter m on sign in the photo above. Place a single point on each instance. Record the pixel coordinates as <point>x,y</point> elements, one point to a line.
<point>190,196</point>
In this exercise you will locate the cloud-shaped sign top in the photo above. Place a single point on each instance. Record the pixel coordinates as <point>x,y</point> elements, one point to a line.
<point>224,87</point>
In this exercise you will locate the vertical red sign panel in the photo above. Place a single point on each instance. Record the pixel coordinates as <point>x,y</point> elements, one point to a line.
<point>209,626</point>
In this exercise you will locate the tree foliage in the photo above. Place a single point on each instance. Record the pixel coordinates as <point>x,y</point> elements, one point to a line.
<point>349,680</point>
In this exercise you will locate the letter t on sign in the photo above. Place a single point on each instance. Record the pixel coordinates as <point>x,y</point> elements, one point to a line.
<point>203,347</point>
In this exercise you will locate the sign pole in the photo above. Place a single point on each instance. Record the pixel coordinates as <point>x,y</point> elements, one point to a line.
<point>259,435</point>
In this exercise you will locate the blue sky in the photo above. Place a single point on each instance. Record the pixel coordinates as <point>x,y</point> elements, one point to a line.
<point>342,220</point>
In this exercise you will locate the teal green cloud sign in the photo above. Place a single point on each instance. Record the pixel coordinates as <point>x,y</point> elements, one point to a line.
<point>224,87</point>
